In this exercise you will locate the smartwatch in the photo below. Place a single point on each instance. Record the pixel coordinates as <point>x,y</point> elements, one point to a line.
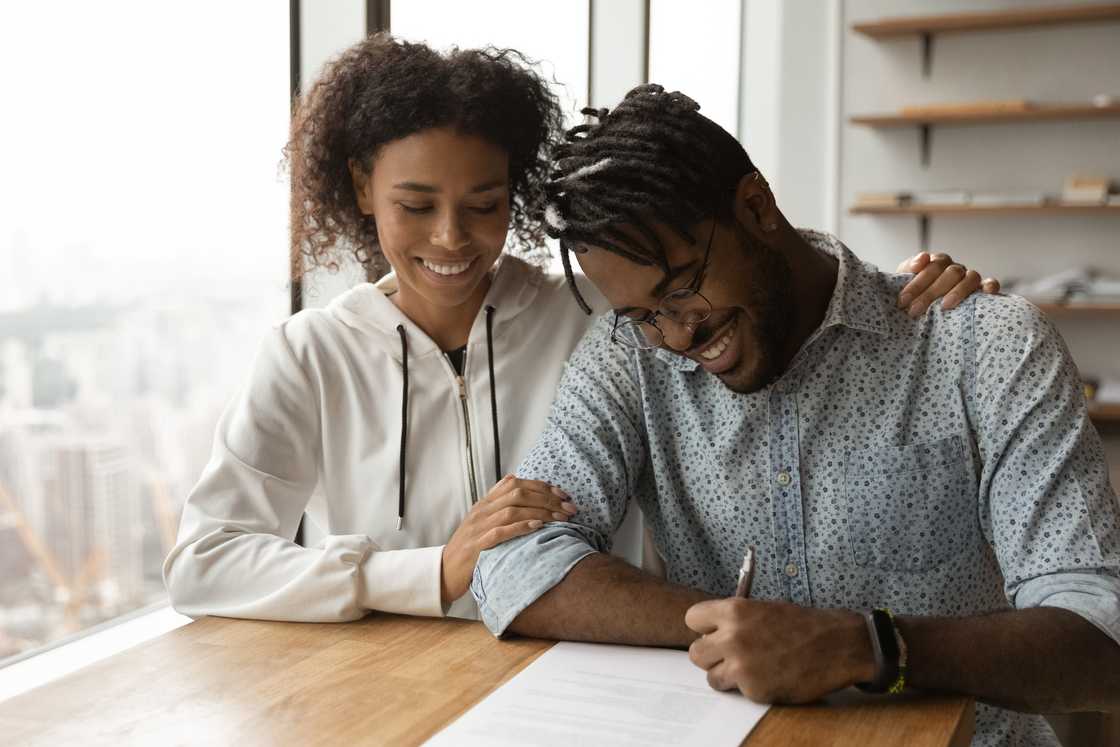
<point>890,653</point>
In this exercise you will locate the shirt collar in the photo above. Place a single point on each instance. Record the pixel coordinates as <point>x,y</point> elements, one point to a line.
<point>860,299</point>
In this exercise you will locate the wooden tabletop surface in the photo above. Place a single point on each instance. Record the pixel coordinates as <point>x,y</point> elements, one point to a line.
<point>383,680</point>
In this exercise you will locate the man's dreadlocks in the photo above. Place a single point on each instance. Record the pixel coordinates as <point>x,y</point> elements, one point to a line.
<point>653,159</point>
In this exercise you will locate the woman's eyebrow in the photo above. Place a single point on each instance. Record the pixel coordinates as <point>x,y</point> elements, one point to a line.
<point>487,186</point>
<point>429,189</point>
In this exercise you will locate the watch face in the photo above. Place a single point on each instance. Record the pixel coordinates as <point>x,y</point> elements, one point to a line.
<point>884,630</point>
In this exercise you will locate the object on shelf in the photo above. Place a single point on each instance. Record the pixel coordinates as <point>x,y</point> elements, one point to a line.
<point>1073,287</point>
<point>988,199</point>
<point>1083,189</point>
<point>943,197</point>
<point>967,107</point>
<point>1098,291</point>
<point>1105,100</point>
<point>1107,392</point>
<point>883,199</point>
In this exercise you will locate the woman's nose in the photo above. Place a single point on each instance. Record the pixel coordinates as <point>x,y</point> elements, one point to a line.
<point>450,234</point>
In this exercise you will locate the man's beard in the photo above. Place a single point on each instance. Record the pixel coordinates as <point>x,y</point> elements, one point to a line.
<point>772,318</point>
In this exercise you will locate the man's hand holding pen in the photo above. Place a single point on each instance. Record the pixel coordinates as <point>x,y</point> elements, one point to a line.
<point>777,652</point>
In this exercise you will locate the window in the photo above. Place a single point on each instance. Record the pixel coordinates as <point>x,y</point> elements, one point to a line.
<point>694,48</point>
<point>556,34</point>
<point>143,242</point>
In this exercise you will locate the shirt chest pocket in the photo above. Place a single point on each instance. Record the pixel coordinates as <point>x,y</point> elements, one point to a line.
<point>911,507</point>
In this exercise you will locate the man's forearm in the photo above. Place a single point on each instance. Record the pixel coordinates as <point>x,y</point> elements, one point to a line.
<point>1042,660</point>
<point>607,600</point>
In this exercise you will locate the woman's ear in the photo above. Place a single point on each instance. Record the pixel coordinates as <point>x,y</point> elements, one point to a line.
<point>755,208</point>
<point>360,178</point>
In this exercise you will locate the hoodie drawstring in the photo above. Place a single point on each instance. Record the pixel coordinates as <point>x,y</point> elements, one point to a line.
<point>404,409</point>
<point>493,393</point>
<point>404,425</point>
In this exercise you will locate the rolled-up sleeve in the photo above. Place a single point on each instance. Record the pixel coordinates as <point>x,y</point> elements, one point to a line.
<point>1047,505</point>
<point>592,447</point>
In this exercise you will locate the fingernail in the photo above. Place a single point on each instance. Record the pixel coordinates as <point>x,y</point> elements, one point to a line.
<point>559,516</point>
<point>569,507</point>
<point>536,524</point>
<point>904,300</point>
<point>559,492</point>
<point>914,312</point>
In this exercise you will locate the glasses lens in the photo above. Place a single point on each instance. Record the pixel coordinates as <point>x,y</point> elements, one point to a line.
<point>641,335</point>
<point>685,306</point>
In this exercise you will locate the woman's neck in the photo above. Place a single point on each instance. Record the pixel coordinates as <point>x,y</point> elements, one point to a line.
<point>448,326</point>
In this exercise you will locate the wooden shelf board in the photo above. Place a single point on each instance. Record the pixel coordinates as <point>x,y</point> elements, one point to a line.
<point>1080,309</point>
<point>988,21</point>
<point>1050,209</point>
<point>1040,113</point>
<point>1108,413</point>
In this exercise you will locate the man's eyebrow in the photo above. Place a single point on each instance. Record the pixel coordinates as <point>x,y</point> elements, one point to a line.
<point>429,189</point>
<point>670,276</point>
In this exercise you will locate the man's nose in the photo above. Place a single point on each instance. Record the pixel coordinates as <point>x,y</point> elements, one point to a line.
<point>677,335</point>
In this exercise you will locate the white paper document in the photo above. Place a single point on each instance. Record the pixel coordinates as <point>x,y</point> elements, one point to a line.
<point>595,694</point>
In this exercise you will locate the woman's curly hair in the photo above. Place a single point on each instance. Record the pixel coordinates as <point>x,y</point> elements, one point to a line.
<point>383,89</point>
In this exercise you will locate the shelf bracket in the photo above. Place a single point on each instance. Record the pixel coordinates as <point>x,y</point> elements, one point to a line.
<point>925,134</point>
<point>927,54</point>
<point>923,232</point>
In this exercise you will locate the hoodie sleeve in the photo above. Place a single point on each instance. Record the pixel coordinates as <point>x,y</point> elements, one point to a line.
<point>234,555</point>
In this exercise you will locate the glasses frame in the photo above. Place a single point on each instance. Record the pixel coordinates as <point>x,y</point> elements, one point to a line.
<point>687,293</point>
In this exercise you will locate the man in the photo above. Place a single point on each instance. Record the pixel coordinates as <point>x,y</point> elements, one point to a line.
<point>757,387</point>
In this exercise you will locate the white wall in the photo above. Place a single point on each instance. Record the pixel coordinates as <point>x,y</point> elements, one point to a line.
<point>788,105</point>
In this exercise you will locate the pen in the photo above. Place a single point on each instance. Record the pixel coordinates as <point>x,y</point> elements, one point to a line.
<point>746,574</point>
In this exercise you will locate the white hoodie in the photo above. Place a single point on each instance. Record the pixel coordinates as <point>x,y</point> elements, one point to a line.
<point>320,416</point>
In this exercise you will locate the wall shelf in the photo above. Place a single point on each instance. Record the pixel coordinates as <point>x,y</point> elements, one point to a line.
<point>1104,413</point>
<point>1038,113</point>
<point>926,27</point>
<point>1080,309</point>
<point>1047,209</point>
<point>925,212</point>
<point>886,28</point>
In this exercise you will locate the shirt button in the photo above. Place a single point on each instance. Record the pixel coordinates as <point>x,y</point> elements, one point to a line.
<point>791,570</point>
<point>784,478</point>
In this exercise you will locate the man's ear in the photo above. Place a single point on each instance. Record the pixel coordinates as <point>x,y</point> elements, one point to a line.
<point>755,208</point>
<point>360,178</point>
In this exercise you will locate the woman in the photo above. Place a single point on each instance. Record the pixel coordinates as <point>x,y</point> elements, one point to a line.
<point>386,415</point>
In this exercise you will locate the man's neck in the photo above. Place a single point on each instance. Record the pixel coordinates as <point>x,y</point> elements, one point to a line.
<point>813,278</point>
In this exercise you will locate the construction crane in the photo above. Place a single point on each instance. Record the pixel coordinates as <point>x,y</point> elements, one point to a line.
<point>73,591</point>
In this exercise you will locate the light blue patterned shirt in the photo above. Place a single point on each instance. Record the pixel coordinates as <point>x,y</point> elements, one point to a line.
<point>944,465</point>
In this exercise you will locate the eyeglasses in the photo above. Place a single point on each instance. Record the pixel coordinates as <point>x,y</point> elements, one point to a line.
<point>684,306</point>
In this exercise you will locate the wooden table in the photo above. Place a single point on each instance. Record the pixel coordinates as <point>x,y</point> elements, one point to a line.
<point>383,680</point>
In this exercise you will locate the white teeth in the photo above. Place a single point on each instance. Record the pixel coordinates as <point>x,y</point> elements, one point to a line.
<point>716,350</point>
<point>446,269</point>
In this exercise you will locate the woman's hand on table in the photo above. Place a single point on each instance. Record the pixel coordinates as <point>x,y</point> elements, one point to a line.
<point>513,507</point>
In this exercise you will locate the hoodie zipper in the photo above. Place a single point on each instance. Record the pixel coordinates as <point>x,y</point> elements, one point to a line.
<point>467,428</point>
